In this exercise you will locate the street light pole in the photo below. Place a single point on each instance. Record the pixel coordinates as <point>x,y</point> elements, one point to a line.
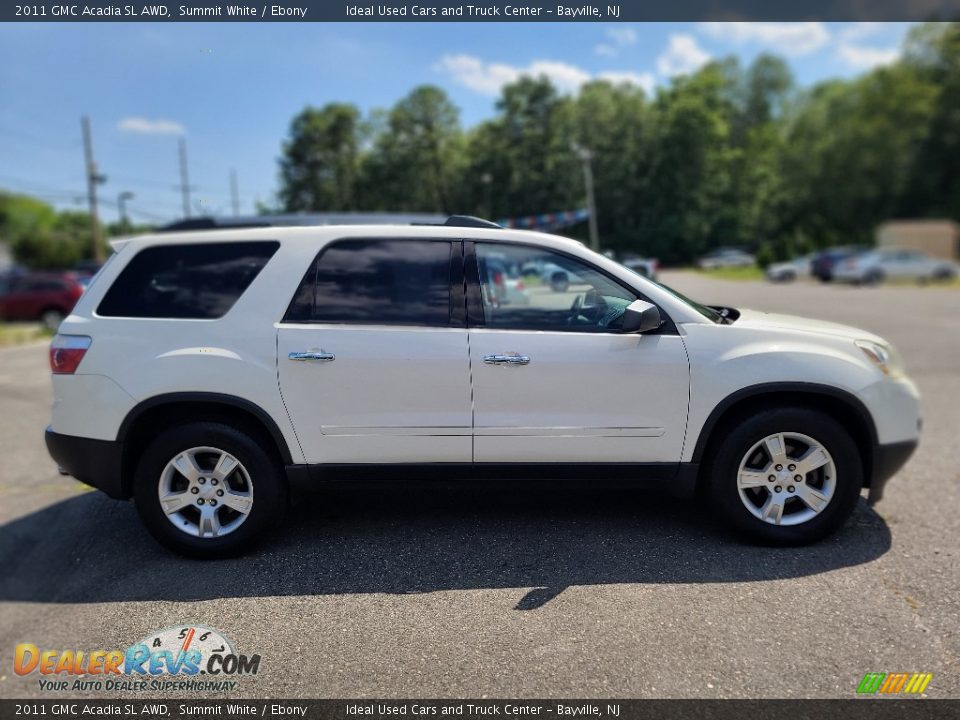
<point>585,156</point>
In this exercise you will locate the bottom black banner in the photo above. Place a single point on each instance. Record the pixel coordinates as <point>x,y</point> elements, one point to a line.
<point>853,709</point>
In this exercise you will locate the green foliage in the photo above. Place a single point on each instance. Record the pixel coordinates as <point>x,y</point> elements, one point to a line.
<point>42,238</point>
<point>320,162</point>
<point>729,155</point>
<point>414,163</point>
<point>765,256</point>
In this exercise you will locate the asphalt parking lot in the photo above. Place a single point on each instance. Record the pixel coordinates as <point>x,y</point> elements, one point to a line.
<point>441,590</point>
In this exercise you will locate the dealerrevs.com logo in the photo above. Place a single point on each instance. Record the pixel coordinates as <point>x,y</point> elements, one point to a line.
<point>193,658</point>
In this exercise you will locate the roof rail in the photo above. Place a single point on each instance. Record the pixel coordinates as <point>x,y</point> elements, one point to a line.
<point>470,221</point>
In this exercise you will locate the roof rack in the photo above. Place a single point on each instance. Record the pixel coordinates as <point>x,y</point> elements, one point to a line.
<point>305,219</point>
<point>470,221</point>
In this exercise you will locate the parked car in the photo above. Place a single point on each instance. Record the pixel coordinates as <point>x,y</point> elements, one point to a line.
<point>726,258</point>
<point>505,288</point>
<point>47,297</point>
<point>791,270</point>
<point>825,261</point>
<point>206,374</point>
<point>893,264</point>
<point>647,267</point>
<point>558,278</point>
<point>87,268</point>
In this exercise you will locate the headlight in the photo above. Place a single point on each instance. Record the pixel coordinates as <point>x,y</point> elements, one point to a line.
<point>883,356</point>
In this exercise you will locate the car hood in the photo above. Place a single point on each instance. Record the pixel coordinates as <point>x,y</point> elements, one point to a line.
<point>754,318</point>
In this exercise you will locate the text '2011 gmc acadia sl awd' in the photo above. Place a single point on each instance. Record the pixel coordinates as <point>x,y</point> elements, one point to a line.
<point>204,373</point>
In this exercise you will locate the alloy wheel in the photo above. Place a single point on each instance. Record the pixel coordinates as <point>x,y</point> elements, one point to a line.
<point>205,492</point>
<point>786,479</point>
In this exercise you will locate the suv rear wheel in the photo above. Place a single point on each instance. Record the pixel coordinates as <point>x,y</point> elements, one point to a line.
<point>787,476</point>
<point>208,490</point>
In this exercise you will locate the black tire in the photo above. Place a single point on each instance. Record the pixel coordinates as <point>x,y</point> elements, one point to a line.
<point>943,275</point>
<point>729,448</point>
<point>266,476</point>
<point>874,277</point>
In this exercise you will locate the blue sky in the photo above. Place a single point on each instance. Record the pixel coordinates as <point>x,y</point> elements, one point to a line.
<point>232,88</point>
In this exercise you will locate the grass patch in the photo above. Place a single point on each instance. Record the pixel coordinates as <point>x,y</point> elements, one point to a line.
<point>734,273</point>
<point>22,333</point>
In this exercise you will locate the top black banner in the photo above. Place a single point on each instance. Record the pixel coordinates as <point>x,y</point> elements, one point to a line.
<point>481,11</point>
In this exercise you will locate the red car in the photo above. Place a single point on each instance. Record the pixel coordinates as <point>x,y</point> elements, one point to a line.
<point>48,297</point>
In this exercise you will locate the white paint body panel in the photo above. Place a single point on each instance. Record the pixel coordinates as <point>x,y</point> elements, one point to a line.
<point>584,397</point>
<point>393,394</point>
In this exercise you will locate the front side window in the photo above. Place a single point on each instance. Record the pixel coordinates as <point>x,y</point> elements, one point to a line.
<point>195,281</point>
<point>528,288</point>
<point>373,282</point>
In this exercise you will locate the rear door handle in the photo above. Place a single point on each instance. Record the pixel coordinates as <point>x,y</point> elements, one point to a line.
<point>304,356</point>
<point>506,359</point>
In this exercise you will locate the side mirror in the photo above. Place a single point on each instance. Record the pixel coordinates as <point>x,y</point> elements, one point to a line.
<point>641,317</point>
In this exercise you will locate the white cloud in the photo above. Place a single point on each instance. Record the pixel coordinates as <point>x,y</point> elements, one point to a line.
<point>682,56</point>
<point>865,58</point>
<point>488,77</point>
<point>145,126</point>
<point>860,30</point>
<point>623,35</point>
<point>642,80</point>
<point>619,37</point>
<point>799,38</point>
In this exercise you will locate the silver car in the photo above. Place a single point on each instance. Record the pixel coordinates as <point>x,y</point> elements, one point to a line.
<point>791,270</point>
<point>726,258</point>
<point>876,266</point>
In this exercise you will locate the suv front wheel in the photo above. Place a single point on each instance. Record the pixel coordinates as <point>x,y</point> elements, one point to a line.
<point>786,476</point>
<point>208,490</point>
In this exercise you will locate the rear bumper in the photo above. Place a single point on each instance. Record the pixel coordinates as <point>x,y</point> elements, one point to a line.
<point>887,460</point>
<point>97,463</point>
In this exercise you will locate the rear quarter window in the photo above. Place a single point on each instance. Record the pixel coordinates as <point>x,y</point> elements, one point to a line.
<point>193,281</point>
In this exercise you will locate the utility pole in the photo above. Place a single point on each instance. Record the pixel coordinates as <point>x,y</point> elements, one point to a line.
<point>234,193</point>
<point>93,179</point>
<point>122,205</point>
<point>586,157</point>
<point>184,178</point>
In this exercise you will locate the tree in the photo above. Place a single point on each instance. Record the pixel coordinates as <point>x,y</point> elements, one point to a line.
<point>319,166</point>
<point>522,158</point>
<point>40,237</point>
<point>933,52</point>
<point>415,157</point>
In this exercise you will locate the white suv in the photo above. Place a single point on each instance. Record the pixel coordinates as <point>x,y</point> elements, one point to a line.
<point>206,373</point>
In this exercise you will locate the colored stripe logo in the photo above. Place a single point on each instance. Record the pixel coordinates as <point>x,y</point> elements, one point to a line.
<point>894,683</point>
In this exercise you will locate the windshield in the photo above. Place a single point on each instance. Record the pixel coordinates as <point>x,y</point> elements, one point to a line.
<point>707,312</point>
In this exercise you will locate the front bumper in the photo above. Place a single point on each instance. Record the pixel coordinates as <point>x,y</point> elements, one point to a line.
<point>97,463</point>
<point>887,460</point>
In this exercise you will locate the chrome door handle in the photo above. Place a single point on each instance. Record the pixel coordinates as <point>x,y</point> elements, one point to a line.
<point>303,356</point>
<point>506,359</point>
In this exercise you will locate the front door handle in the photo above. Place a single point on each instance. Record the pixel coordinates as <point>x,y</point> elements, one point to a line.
<point>303,356</point>
<point>506,359</point>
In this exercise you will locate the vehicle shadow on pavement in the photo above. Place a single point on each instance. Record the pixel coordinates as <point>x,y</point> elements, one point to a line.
<point>415,538</point>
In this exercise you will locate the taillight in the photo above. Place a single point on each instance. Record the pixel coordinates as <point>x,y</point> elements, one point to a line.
<point>498,278</point>
<point>66,352</point>
<point>519,285</point>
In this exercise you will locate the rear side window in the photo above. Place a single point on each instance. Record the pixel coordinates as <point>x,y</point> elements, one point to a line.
<point>396,282</point>
<point>195,281</point>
